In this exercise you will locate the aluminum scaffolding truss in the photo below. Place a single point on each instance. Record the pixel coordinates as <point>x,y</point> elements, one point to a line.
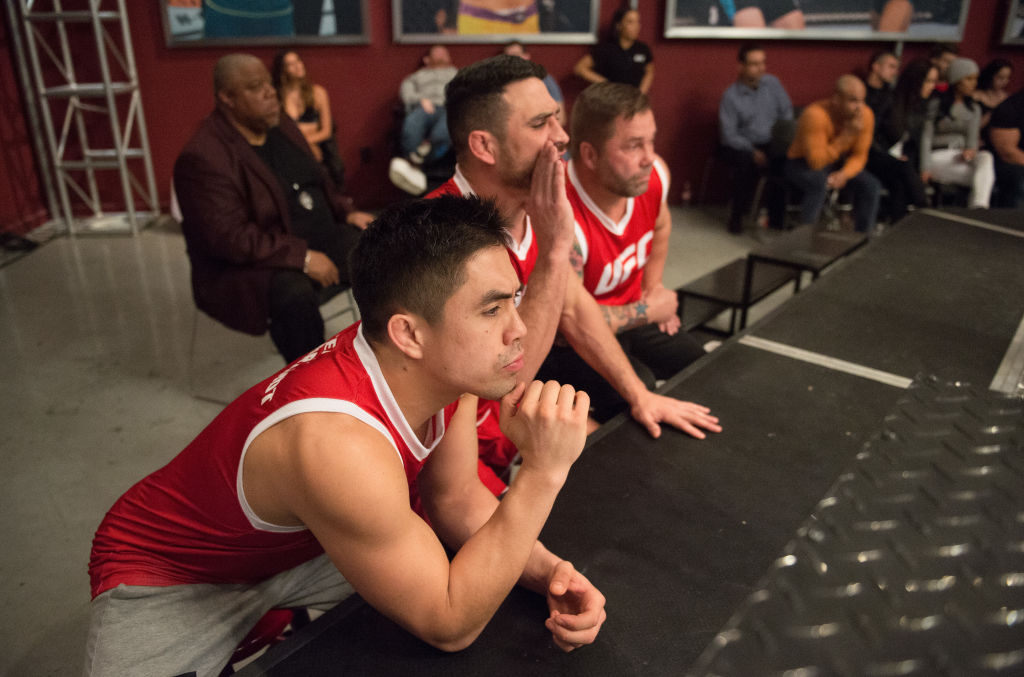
<point>82,70</point>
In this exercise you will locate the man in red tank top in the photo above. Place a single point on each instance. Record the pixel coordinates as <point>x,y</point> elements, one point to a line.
<point>298,492</point>
<point>508,143</point>
<point>618,190</point>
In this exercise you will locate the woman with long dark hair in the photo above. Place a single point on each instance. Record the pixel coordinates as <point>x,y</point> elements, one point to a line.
<point>951,138</point>
<point>893,157</point>
<point>308,104</point>
<point>993,89</point>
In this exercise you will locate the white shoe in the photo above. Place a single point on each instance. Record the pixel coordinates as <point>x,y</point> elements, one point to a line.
<point>405,176</point>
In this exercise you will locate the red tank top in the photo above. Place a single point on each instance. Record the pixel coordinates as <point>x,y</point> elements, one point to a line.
<point>189,522</point>
<point>614,254</point>
<point>522,254</point>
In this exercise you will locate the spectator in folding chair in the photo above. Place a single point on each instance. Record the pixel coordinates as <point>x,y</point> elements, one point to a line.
<point>424,136</point>
<point>883,69</point>
<point>830,151</point>
<point>993,89</point>
<point>895,149</point>
<point>748,111</point>
<point>1007,133</point>
<point>268,235</point>
<point>623,57</point>
<point>310,106</point>
<point>942,55</point>
<point>950,152</point>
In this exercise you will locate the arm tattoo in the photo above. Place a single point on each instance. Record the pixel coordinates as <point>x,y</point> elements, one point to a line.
<point>626,317</point>
<point>576,258</point>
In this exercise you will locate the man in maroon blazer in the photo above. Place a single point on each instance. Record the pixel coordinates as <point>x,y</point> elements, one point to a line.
<point>268,234</point>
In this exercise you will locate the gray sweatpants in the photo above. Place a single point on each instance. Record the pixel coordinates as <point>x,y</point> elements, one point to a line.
<point>165,631</point>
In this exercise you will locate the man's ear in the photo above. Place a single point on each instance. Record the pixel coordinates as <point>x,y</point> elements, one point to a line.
<point>588,155</point>
<point>224,99</point>
<point>483,145</point>
<point>404,331</point>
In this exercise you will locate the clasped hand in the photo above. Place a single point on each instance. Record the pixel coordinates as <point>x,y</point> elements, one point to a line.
<point>576,608</point>
<point>548,424</point>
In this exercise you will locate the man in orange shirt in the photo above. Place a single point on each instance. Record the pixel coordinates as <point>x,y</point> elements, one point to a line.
<point>829,151</point>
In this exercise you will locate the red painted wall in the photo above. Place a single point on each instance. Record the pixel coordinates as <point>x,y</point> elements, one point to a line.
<point>363,83</point>
<point>22,202</point>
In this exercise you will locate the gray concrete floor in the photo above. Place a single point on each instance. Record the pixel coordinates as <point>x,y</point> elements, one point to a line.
<point>95,334</point>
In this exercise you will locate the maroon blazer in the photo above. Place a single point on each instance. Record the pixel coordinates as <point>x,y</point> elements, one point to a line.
<point>235,220</point>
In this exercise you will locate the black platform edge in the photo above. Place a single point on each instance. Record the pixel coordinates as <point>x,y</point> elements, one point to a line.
<point>913,564</point>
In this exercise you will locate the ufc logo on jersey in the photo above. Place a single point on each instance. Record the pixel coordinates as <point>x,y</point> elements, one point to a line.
<point>633,257</point>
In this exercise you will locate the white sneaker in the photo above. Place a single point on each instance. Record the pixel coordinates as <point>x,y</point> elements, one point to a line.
<point>405,176</point>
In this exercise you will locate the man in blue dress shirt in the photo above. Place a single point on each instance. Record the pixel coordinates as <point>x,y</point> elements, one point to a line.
<point>749,109</point>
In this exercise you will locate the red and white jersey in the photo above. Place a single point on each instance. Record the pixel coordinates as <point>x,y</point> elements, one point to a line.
<point>615,253</point>
<point>523,254</point>
<point>189,522</point>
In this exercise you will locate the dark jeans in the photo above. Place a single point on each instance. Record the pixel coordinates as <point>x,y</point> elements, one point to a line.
<point>1010,183</point>
<point>902,181</point>
<point>419,125</point>
<point>865,188</point>
<point>745,175</point>
<point>653,354</point>
<point>296,326</point>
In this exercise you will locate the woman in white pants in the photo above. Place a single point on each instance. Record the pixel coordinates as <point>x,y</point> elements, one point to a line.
<point>949,143</point>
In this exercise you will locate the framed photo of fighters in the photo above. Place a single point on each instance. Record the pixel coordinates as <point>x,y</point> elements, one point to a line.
<point>1013,34</point>
<point>911,20</point>
<point>199,23</point>
<point>495,21</point>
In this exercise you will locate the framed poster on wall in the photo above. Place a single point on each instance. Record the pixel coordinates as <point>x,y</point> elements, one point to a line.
<point>1013,34</point>
<point>495,21</point>
<point>913,20</point>
<point>197,23</point>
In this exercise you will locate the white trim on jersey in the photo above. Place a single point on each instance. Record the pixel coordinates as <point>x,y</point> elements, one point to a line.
<point>391,408</point>
<point>581,240</point>
<point>311,405</point>
<point>616,228</point>
<point>520,249</point>
<point>336,406</point>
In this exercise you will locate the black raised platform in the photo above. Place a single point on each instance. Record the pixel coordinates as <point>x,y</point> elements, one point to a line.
<point>913,564</point>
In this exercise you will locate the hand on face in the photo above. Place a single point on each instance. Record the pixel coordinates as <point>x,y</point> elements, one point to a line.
<point>548,204</point>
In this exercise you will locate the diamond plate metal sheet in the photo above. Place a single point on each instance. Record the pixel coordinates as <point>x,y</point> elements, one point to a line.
<point>913,564</point>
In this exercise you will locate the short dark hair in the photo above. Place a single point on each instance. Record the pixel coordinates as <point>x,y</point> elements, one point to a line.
<point>473,99</point>
<point>747,48</point>
<point>879,55</point>
<point>412,257</point>
<point>598,107</point>
<point>940,48</point>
